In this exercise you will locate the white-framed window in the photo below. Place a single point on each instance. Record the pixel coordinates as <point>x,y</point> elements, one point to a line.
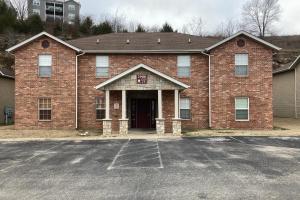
<point>71,7</point>
<point>45,109</point>
<point>241,64</point>
<point>36,2</point>
<point>71,16</point>
<point>185,108</point>
<point>45,65</point>
<point>100,108</point>
<point>102,66</point>
<point>242,109</point>
<point>184,66</point>
<point>36,11</point>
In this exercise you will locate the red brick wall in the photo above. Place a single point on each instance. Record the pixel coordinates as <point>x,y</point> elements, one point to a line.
<point>164,63</point>
<point>257,86</point>
<point>60,87</point>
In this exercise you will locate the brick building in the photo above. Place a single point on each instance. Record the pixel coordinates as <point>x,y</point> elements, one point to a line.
<point>164,81</point>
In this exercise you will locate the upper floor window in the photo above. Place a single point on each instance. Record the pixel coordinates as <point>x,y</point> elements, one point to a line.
<point>45,65</point>
<point>185,108</point>
<point>242,109</point>
<point>102,65</point>
<point>100,108</point>
<point>71,7</point>
<point>45,109</point>
<point>36,11</point>
<point>36,2</point>
<point>241,64</point>
<point>71,16</point>
<point>184,66</point>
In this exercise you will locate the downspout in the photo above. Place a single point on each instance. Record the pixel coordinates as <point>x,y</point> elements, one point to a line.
<point>209,89</point>
<point>296,111</point>
<point>76,90</point>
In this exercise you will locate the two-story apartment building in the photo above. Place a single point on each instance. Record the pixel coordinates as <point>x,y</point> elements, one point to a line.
<point>164,81</point>
<point>55,10</point>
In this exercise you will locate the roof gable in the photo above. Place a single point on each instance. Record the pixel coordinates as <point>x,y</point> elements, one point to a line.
<point>145,67</point>
<point>13,48</point>
<point>248,35</point>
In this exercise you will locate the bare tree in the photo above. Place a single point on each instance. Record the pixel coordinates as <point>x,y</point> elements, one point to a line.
<point>21,8</point>
<point>227,28</point>
<point>194,27</point>
<point>260,15</point>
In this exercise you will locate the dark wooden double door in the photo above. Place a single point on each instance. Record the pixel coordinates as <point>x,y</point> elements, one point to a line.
<point>143,112</point>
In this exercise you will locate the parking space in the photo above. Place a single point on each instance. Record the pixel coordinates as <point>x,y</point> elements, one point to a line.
<point>188,168</point>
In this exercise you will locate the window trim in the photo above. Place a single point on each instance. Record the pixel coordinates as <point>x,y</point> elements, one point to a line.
<point>190,106</point>
<point>184,67</point>
<point>73,7</point>
<point>235,65</point>
<point>47,120</point>
<point>34,2</point>
<point>96,109</point>
<point>106,76</point>
<point>45,66</point>
<point>235,109</point>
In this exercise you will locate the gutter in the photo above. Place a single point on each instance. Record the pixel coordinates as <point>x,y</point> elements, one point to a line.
<point>76,90</point>
<point>209,88</point>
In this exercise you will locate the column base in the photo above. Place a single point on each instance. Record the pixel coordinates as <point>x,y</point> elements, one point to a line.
<point>107,129</point>
<point>123,125</point>
<point>160,126</point>
<point>176,126</point>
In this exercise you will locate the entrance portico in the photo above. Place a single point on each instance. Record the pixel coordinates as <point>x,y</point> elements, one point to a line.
<point>142,101</point>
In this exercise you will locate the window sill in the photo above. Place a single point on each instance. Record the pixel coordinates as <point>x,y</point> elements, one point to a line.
<point>246,120</point>
<point>246,76</point>
<point>45,120</point>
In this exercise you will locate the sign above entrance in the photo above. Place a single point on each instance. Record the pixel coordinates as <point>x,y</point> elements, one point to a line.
<point>141,79</point>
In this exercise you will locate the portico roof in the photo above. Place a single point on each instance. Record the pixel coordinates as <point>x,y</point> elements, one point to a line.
<point>147,68</point>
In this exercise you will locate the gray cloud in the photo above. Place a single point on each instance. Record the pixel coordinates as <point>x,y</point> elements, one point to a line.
<point>179,12</point>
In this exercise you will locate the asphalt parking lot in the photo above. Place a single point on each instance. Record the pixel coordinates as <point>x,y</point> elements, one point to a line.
<point>188,168</point>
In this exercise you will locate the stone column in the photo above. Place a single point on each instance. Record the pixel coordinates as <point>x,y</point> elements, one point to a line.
<point>107,128</point>
<point>123,128</point>
<point>160,121</point>
<point>176,122</point>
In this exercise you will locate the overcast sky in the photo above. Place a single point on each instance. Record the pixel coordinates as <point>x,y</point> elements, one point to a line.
<point>179,12</point>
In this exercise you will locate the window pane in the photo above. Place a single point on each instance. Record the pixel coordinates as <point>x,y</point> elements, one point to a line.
<point>241,103</point>
<point>45,114</point>
<point>241,59</point>
<point>185,103</point>
<point>102,61</point>
<point>241,70</point>
<point>101,71</point>
<point>242,114</point>
<point>45,71</point>
<point>184,61</point>
<point>100,103</point>
<point>185,114</point>
<point>184,71</point>
<point>100,114</point>
<point>45,60</point>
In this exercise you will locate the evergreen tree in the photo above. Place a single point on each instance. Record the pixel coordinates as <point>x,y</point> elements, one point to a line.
<point>8,17</point>
<point>35,24</point>
<point>103,28</point>
<point>166,28</point>
<point>140,29</point>
<point>86,26</point>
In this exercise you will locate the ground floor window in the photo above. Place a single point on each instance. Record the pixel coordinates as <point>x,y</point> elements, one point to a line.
<point>185,108</point>
<point>241,108</point>
<point>100,108</point>
<point>45,110</point>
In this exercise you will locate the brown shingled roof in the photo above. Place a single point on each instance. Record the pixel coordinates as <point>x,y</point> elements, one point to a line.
<point>144,42</point>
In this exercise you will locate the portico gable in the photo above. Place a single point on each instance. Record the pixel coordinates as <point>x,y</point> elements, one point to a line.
<point>142,78</point>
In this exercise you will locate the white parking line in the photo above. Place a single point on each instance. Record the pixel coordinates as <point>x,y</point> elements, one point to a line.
<point>110,167</point>
<point>211,160</point>
<point>159,155</point>
<point>237,140</point>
